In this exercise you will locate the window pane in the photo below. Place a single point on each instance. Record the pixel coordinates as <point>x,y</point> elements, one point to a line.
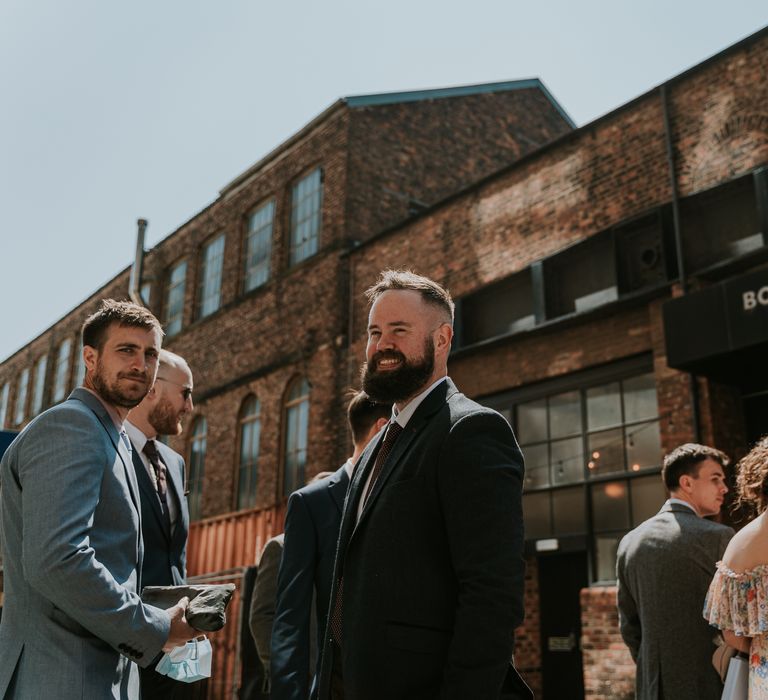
<point>62,370</point>
<point>197,468</point>
<point>610,506</point>
<point>603,406</point>
<point>565,414</point>
<point>648,495</point>
<point>306,210</point>
<point>4,394</point>
<point>296,434</point>
<point>640,398</point>
<point>174,302</point>
<point>259,246</point>
<point>212,264</point>
<point>606,547</point>
<point>532,421</point>
<point>643,445</point>
<point>536,515</point>
<point>39,386</point>
<point>536,466</point>
<point>21,396</point>
<point>569,512</point>
<point>567,461</point>
<point>606,452</point>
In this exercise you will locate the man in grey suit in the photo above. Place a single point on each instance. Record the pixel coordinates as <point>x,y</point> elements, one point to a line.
<point>73,624</point>
<point>160,475</point>
<point>664,568</point>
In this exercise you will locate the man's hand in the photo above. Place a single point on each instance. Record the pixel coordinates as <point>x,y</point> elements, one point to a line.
<point>180,632</point>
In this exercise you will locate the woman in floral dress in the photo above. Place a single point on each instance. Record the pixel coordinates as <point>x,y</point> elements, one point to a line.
<point>737,601</point>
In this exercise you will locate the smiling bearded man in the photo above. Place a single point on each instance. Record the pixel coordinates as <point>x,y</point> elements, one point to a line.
<point>428,578</point>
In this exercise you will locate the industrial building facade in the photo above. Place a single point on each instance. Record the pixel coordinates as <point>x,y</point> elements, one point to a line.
<point>612,302</point>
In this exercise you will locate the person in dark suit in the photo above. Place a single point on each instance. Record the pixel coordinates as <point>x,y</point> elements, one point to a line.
<point>663,569</point>
<point>429,571</point>
<point>306,572</point>
<point>160,474</point>
<point>73,623</point>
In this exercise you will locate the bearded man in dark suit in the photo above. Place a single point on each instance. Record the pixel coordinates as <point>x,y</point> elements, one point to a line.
<point>428,579</point>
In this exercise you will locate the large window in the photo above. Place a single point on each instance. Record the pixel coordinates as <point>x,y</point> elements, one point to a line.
<point>197,448</point>
<point>21,396</point>
<point>306,211</point>
<point>593,456</point>
<point>258,246</point>
<point>79,366</point>
<point>4,394</point>
<point>61,371</point>
<point>211,267</point>
<point>174,298</point>
<point>248,467</point>
<point>296,430</point>
<point>38,391</point>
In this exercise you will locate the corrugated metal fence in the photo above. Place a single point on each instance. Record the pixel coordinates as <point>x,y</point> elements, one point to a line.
<point>219,550</point>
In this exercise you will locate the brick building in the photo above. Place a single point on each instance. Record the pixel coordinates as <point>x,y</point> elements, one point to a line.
<point>594,270</point>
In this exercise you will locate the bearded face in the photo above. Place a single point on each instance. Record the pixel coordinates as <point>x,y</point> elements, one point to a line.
<point>125,389</point>
<point>405,379</point>
<point>165,418</point>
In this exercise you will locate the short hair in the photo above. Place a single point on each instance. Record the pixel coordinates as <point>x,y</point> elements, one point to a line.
<point>362,414</point>
<point>752,477</point>
<point>687,459</point>
<point>170,360</point>
<point>431,292</point>
<point>123,313</point>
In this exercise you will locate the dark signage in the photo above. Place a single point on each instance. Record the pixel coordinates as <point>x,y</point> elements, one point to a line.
<point>747,308</point>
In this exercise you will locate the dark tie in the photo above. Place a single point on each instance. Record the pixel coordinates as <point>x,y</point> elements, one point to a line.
<point>161,483</point>
<point>393,432</point>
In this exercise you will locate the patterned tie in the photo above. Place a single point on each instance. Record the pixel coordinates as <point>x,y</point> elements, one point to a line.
<point>393,432</point>
<point>161,483</point>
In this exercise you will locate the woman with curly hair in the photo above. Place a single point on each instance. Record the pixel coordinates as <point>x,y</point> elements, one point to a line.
<point>737,601</point>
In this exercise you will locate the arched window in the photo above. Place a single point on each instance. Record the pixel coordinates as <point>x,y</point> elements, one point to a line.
<point>296,421</point>
<point>248,467</point>
<point>197,467</point>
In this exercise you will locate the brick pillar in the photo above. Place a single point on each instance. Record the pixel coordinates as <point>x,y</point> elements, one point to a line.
<point>528,635</point>
<point>609,672</point>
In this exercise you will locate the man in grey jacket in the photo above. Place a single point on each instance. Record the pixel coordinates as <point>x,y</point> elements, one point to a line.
<point>73,623</point>
<point>664,569</point>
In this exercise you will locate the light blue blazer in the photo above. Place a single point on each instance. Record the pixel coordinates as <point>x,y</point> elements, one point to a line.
<point>73,624</point>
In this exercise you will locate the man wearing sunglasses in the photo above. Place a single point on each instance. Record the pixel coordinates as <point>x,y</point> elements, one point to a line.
<point>160,473</point>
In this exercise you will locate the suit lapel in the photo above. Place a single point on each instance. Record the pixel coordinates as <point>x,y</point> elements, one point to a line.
<point>337,488</point>
<point>148,489</point>
<point>429,406</point>
<point>122,450</point>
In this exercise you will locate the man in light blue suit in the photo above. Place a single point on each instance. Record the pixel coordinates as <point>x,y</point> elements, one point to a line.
<point>73,624</point>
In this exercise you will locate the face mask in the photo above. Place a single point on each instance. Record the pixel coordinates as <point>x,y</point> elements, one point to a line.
<point>189,663</point>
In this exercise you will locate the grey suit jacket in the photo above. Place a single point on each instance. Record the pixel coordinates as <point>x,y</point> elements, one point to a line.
<point>664,569</point>
<point>73,623</point>
<point>262,611</point>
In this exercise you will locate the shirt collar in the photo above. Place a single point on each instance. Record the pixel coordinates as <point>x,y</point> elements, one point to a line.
<point>349,466</point>
<point>136,435</point>
<point>681,502</point>
<point>402,417</point>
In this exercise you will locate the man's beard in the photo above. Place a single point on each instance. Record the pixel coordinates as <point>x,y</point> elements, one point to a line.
<point>112,393</point>
<point>395,385</point>
<point>164,419</point>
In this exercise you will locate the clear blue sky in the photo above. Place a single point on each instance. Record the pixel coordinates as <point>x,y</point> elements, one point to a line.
<point>114,111</point>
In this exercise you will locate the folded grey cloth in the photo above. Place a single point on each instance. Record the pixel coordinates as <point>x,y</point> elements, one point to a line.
<point>207,603</point>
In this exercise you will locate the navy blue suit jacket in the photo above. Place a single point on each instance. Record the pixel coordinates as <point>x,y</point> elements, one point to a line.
<point>311,531</point>
<point>165,553</point>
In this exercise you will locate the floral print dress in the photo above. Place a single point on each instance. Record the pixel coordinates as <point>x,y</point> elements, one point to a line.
<point>739,602</point>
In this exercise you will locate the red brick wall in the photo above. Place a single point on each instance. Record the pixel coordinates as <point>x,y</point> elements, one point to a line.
<point>428,149</point>
<point>609,672</point>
